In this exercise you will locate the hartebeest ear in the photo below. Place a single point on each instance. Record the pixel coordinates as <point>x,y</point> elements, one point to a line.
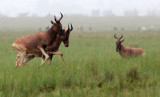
<point>55,18</point>
<point>71,27</point>
<point>52,22</point>
<point>65,29</point>
<point>122,41</point>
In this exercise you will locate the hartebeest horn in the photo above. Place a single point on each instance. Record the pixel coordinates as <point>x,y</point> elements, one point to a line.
<point>55,18</point>
<point>61,16</point>
<point>71,27</point>
<point>115,36</point>
<point>68,27</point>
<point>121,37</point>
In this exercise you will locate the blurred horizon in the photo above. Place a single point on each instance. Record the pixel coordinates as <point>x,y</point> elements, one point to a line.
<point>95,8</point>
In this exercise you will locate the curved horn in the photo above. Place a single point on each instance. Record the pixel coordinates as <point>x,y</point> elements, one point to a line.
<point>71,27</point>
<point>68,27</point>
<point>61,16</point>
<point>115,36</point>
<point>121,37</point>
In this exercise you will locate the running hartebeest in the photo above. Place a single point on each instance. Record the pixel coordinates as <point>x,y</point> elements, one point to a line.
<point>127,51</point>
<point>35,43</point>
<point>53,49</point>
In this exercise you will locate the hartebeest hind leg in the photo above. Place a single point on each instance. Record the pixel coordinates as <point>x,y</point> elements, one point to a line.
<point>58,53</point>
<point>45,54</point>
<point>28,58</point>
<point>17,60</point>
<point>21,52</point>
<point>22,56</point>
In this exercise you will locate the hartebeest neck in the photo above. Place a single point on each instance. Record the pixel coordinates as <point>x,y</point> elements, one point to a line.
<point>55,45</point>
<point>52,34</point>
<point>122,49</point>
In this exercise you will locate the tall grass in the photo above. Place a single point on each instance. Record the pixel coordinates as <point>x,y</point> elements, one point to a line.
<point>92,68</point>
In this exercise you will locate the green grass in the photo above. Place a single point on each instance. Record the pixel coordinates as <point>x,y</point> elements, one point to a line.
<point>92,66</point>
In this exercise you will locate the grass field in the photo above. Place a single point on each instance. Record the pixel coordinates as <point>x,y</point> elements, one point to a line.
<point>92,67</point>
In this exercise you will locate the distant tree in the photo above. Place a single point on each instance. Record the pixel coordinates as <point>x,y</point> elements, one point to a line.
<point>95,12</point>
<point>152,12</point>
<point>2,15</point>
<point>23,14</point>
<point>49,15</point>
<point>34,15</point>
<point>131,13</point>
<point>108,13</point>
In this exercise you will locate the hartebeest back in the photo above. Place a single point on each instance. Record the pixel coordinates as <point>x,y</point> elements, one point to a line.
<point>32,44</point>
<point>127,51</point>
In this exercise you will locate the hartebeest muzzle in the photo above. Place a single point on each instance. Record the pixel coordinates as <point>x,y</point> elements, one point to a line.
<point>117,47</point>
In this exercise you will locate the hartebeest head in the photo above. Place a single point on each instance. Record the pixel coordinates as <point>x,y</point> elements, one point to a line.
<point>118,42</point>
<point>57,26</point>
<point>67,33</point>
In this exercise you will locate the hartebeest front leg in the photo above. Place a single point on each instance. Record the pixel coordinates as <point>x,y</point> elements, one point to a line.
<point>45,54</point>
<point>58,53</point>
<point>50,58</point>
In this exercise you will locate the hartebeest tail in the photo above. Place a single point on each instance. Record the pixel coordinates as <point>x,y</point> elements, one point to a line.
<point>127,51</point>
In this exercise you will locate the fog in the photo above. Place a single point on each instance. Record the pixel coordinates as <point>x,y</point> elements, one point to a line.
<point>13,8</point>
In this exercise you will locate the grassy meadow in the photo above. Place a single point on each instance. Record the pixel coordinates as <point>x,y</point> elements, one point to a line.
<point>92,66</point>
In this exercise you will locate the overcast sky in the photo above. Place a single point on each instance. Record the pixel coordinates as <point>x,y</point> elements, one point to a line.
<point>43,7</point>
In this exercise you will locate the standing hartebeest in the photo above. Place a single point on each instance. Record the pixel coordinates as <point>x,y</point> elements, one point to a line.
<point>52,49</point>
<point>34,43</point>
<point>127,51</point>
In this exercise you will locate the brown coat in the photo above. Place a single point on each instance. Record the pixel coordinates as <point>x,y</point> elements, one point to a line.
<point>129,52</point>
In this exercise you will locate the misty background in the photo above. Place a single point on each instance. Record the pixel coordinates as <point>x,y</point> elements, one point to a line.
<point>85,15</point>
<point>42,8</point>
